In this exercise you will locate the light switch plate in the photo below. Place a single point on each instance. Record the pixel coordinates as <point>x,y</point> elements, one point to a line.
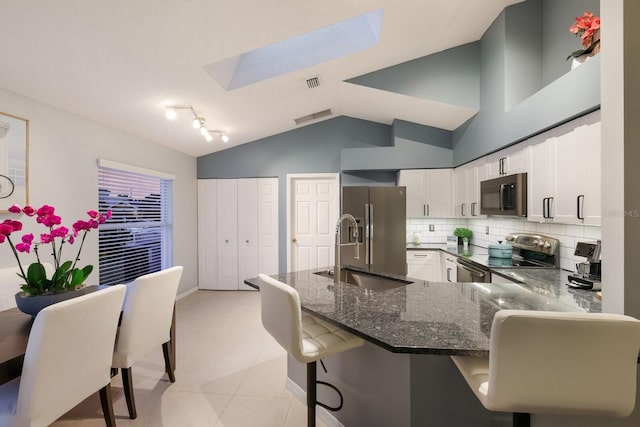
<point>486,230</point>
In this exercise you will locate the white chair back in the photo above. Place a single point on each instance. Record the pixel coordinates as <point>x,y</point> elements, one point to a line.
<point>146,315</point>
<point>68,355</point>
<point>281,315</point>
<point>553,362</point>
<point>10,284</point>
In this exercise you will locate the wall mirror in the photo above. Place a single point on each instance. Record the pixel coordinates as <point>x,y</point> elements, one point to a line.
<point>14,164</point>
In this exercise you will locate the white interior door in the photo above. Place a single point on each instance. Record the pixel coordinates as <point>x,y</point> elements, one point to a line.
<point>314,202</point>
<point>247,230</point>
<point>227,223</point>
<point>268,225</point>
<point>207,236</point>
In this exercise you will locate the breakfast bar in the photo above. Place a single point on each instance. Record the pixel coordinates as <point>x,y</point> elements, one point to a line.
<point>400,375</point>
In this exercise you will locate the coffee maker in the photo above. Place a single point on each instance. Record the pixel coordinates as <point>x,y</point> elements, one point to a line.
<point>588,274</point>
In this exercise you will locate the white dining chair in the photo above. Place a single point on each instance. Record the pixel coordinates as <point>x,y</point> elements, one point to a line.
<point>68,358</point>
<point>307,339</point>
<point>147,315</point>
<point>556,363</point>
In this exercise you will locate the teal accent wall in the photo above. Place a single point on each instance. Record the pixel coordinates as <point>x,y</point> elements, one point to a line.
<point>414,146</point>
<point>513,106</point>
<point>451,77</point>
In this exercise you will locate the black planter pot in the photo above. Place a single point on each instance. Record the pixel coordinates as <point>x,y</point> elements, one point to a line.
<point>32,304</point>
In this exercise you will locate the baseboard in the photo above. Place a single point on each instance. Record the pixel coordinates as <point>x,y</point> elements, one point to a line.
<point>186,293</point>
<point>321,412</point>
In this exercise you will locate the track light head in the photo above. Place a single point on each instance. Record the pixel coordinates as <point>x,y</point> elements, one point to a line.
<point>224,138</point>
<point>170,113</point>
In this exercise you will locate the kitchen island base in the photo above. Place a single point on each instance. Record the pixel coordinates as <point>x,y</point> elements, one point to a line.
<point>383,389</point>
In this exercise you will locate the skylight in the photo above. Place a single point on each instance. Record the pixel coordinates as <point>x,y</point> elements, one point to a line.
<point>334,41</point>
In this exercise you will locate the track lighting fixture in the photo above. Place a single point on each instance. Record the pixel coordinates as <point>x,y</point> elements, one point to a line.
<point>198,122</point>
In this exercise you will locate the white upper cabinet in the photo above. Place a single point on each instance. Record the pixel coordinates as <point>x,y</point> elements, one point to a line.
<point>541,181</point>
<point>429,192</point>
<point>564,182</point>
<point>466,194</point>
<point>514,159</point>
<point>578,176</point>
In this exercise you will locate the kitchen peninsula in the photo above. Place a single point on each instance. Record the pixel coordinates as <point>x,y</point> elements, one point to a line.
<point>402,376</point>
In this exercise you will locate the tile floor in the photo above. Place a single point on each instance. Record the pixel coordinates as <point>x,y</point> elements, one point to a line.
<point>230,373</point>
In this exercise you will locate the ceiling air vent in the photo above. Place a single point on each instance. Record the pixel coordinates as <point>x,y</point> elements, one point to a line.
<point>313,116</point>
<point>313,82</point>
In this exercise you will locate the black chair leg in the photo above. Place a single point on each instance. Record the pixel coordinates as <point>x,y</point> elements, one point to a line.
<point>107,406</point>
<point>311,394</point>
<point>521,419</point>
<point>169,365</point>
<point>127,382</point>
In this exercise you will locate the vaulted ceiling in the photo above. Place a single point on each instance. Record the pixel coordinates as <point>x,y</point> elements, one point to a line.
<point>121,63</point>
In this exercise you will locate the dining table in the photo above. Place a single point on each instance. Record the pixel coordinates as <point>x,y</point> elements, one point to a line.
<point>15,327</point>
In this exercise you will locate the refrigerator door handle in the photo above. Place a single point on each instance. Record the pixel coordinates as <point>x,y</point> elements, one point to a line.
<point>367,233</point>
<point>369,208</point>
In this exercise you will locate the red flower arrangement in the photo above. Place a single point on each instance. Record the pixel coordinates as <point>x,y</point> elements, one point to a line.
<point>66,276</point>
<point>587,27</point>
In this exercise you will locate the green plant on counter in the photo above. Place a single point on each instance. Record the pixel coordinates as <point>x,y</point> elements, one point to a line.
<point>462,232</point>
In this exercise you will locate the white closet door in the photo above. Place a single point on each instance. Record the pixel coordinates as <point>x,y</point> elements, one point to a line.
<point>268,225</point>
<point>227,223</point>
<point>247,230</point>
<point>207,235</point>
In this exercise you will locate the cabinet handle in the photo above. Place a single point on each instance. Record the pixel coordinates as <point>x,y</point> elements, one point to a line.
<point>462,209</point>
<point>580,207</point>
<point>448,274</point>
<point>427,209</point>
<point>473,209</point>
<point>549,201</point>
<point>544,207</point>
<point>247,241</point>
<point>420,255</point>
<point>424,210</point>
<point>294,240</point>
<point>226,241</point>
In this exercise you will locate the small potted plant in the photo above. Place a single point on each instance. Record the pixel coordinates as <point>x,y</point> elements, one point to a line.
<point>66,275</point>
<point>464,235</point>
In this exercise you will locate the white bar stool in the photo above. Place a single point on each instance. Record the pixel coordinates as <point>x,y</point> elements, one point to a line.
<point>556,363</point>
<point>307,339</point>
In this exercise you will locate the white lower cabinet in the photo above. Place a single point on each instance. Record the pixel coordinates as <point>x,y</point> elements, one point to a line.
<point>450,268</point>
<point>424,265</point>
<point>237,231</point>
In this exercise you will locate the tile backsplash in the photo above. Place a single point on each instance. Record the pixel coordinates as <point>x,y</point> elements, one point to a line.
<point>568,235</point>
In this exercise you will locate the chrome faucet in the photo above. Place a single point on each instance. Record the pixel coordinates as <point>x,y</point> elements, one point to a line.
<point>354,223</point>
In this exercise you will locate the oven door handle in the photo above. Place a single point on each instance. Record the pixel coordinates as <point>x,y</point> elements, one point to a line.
<point>475,271</point>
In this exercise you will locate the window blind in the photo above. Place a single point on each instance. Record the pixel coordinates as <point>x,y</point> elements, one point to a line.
<point>137,239</point>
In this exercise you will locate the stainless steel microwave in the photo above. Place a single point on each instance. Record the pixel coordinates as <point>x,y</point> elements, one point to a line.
<point>506,195</point>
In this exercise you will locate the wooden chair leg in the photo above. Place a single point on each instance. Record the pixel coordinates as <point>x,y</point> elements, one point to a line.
<point>107,406</point>
<point>127,383</point>
<point>168,361</point>
<point>311,394</point>
<point>521,419</point>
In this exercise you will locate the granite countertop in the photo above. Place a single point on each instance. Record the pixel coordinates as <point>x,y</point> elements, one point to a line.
<point>430,317</point>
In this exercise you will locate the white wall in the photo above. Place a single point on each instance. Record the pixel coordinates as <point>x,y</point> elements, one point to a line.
<point>63,172</point>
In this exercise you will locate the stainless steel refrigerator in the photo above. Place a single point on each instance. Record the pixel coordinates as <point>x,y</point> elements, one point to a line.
<point>381,216</point>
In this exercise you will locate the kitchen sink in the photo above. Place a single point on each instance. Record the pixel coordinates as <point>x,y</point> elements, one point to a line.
<point>366,280</point>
